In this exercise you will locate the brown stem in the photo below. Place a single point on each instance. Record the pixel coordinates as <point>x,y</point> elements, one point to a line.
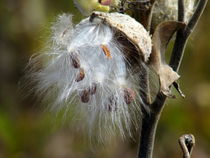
<point>149,126</point>
<point>183,35</point>
<point>181,13</point>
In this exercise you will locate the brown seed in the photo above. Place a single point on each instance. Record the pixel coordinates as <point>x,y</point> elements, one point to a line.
<point>85,96</point>
<point>106,51</point>
<point>75,61</point>
<point>93,89</point>
<point>129,95</point>
<point>81,75</point>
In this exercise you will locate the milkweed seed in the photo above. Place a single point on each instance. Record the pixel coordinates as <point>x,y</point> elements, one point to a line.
<point>93,89</point>
<point>75,61</point>
<point>106,51</point>
<point>85,96</point>
<point>129,95</point>
<point>81,75</point>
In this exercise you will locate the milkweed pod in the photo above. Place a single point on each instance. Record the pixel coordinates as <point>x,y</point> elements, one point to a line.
<point>161,38</point>
<point>165,10</point>
<point>86,67</point>
<point>130,29</point>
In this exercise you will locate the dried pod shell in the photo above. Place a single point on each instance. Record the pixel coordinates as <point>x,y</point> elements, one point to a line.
<point>161,38</point>
<point>130,29</point>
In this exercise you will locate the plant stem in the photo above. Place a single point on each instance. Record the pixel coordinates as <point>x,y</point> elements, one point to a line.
<point>149,126</point>
<point>150,121</point>
<point>183,35</point>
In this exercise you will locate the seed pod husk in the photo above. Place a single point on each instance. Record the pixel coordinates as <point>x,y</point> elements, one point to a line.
<point>130,29</point>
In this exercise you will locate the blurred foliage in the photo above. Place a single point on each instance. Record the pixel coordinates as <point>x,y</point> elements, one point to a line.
<point>28,132</point>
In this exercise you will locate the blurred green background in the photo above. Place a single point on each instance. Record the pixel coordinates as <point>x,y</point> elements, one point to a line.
<point>28,132</point>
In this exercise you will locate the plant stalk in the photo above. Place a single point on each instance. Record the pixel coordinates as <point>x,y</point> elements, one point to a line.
<point>150,120</point>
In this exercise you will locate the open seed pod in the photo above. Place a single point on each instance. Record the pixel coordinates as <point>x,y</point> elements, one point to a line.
<point>130,29</point>
<point>161,38</point>
<point>167,11</point>
<point>137,40</point>
<point>97,66</point>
